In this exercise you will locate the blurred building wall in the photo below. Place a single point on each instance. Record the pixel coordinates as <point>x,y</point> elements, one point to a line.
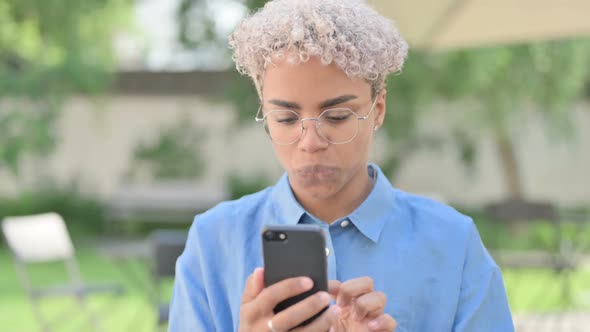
<point>98,136</point>
<point>552,169</point>
<point>97,139</point>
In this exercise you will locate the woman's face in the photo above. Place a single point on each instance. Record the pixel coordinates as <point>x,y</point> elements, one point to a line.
<point>316,167</point>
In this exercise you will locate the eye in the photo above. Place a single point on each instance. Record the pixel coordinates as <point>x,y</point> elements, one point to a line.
<point>288,120</point>
<point>283,117</point>
<point>337,116</point>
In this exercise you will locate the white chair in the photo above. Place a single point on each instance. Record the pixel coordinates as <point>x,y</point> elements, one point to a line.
<point>44,238</point>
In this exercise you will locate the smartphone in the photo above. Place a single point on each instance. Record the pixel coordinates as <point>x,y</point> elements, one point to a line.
<point>295,251</point>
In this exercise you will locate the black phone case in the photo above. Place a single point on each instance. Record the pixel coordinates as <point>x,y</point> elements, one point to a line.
<point>301,254</point>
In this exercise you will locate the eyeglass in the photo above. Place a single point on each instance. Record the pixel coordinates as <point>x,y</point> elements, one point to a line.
<point>336,125</point>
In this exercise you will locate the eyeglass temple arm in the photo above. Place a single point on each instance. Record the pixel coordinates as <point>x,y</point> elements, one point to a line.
<point>365,117</point>
<point>258,118</point>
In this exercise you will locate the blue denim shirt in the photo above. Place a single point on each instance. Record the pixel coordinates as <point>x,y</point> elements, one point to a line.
<point>426,257</point>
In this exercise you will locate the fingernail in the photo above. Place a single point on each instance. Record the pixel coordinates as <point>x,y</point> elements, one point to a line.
<point>306,283</point>
<point>374,325</point>
<point>332,329</point>
<point>325,297</point>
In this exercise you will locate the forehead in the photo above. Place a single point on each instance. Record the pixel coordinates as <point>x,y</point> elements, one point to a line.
<point>310,80</point>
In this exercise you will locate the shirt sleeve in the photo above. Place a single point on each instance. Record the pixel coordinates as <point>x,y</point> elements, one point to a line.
<point>483,304</point>
<point>189,308</point>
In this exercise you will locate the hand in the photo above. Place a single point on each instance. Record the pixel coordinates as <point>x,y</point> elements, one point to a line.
<point>258,303</point>
<point>361,307</point>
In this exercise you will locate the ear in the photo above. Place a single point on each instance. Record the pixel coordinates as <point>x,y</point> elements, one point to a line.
<point>380,108</point>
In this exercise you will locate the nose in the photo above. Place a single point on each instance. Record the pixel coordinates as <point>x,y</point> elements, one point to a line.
<point>311,140</point>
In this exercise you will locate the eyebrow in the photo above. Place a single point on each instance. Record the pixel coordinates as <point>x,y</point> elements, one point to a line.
<point>324,104</point>
<point>337,100</point>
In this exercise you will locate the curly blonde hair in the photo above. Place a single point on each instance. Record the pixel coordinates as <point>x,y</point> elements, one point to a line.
<point>349,33</point>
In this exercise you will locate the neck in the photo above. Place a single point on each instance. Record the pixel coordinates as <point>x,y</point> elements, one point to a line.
<point>342,203</point>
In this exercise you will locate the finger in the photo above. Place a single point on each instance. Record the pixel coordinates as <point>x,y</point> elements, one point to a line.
<point>369,305</point>
<point>282,290</point>
<point>322,323</point>
<point>254,285</point>
<point>383,323</point>
<point>301,311</point>
<point>353,288</point>
<point>334,287</point>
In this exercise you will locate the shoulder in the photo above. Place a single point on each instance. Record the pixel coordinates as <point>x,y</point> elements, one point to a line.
<point>431,211</point>
<point>444,229</point>
<point>434,218</point>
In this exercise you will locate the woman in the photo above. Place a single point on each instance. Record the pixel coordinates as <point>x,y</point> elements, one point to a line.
<point>397,261</point>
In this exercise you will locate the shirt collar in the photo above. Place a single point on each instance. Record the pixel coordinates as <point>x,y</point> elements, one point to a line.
<point>369,218</point>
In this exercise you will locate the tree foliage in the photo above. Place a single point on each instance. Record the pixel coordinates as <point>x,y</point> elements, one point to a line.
<point>501,83</point>
<point>197,22</point>
<point>174,155</point>
<point>48,50</point>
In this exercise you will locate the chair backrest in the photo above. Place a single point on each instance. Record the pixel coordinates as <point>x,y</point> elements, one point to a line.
<point>166,246</point>
<point>38,238</point>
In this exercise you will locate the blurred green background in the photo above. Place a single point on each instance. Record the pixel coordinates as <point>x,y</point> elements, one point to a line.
<point>127,116</point>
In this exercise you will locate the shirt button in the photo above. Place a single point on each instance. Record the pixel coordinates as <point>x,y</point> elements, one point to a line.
<point>345,223</point>
<point>327,251</point>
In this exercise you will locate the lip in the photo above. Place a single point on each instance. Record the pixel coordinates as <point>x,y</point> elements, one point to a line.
<point>312,170</point>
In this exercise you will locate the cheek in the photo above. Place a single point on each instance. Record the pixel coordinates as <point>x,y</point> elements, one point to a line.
<point>284,155</point>
<point>361,144</point>
<point>352,154</point>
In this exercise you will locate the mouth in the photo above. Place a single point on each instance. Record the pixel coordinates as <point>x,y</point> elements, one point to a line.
<point>316,171</point>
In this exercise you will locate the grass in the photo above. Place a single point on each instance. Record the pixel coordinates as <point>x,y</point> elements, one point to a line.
<point>132,311</point>
<point>529,291</point>
<point>537,290</point>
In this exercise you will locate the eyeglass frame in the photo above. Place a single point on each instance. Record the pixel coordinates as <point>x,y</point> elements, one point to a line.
<point>317,122</point>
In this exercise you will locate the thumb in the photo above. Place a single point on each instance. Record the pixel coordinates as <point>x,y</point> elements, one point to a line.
<point>254,285</point>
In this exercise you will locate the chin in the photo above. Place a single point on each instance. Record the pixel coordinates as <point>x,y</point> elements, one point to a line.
<point>316,188</point>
